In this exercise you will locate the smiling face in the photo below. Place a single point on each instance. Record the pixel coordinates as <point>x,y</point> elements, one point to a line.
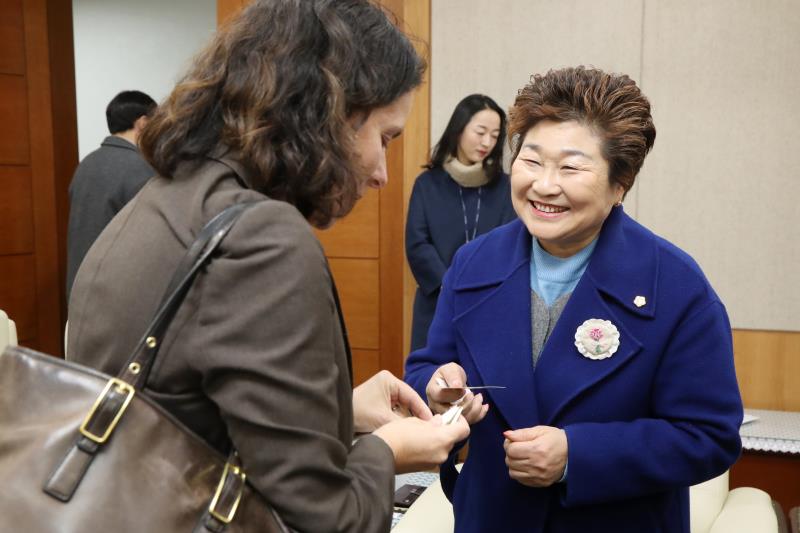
<point>479,137</point>
<point>560,187</point>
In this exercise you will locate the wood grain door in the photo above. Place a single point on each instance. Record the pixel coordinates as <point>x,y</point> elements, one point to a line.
<point>38,153</point>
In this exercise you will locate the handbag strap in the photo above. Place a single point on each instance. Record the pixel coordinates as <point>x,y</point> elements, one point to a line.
<point>137,368</point>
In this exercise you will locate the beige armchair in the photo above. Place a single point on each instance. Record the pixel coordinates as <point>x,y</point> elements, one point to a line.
<point>8,331</point>
<point>716,509</point>
<point>713,509</point>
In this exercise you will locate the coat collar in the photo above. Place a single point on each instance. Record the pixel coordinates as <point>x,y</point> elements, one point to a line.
<point>624,264</point>
<point>496,328</point>
<point>489,263</point>
<point>118,142</point>
<point>231,159</point>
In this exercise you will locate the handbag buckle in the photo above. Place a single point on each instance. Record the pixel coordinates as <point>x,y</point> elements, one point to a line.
<point>121,388</point>
<point>212,508</point>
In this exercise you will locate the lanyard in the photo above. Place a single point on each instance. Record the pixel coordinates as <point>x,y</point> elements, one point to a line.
<point>467,238</point>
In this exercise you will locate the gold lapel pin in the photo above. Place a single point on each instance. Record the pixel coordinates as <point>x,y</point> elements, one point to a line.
<point>640,301</point>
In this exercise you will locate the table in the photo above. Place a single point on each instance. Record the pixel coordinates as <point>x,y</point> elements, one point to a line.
<point>423,479</point>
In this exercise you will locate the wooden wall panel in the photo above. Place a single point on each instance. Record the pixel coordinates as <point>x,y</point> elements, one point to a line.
<point>43,139</point>
<point>14,141</point>
<point>65,132</point>
<point>392,260</point>
<point>366,363</point>
<point>12,48</point>
<point>417,140</point>
<point>405,156</point>
<point>357,281</point>
<point>18,295</point>
<point>227,8</point>
<point>357,235</point>
<point>38,152</point>
<point>768,368</point>
<point>16,210</point>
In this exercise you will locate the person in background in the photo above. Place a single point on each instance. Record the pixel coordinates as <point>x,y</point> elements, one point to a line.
<point>462,194</point>
<point>290,108</point>
<point>615,351</point>
<point>107,178</point>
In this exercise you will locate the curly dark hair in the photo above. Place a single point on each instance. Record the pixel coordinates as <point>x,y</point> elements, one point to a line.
<point>278,86</point>
<point>610,104</point>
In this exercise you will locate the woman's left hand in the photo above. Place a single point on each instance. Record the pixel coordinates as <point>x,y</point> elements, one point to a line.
<point>384,398</point>
<point>536,456</point>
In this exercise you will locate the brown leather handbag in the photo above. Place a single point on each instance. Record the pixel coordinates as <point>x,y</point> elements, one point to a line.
<point>81,451</point>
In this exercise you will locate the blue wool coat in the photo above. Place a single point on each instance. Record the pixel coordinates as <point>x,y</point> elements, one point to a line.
<point>661,414</point>
<point>435,230</point>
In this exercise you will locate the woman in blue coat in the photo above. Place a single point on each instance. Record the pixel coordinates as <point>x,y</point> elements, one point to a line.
<point>615,351</point>
<point>463,194</point>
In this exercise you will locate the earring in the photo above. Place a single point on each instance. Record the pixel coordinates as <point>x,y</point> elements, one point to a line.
<point>618,204</point>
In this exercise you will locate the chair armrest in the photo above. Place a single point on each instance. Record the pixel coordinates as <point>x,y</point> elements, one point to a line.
<point>746,510</point>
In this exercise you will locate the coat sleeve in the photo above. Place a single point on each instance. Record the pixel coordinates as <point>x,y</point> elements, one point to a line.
<point>423,258</point>
<point>441,346</point>
<point>266,354</point>
<point>692,436</point>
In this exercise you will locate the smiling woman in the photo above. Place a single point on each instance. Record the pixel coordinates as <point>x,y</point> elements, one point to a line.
<point>560,186</point>
<point>614,349</point>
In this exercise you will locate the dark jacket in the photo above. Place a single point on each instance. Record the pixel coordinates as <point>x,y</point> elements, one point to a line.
<point>435,230</point>
<point>659,415</point>
<point>254,356</point>
<point>103,183</point>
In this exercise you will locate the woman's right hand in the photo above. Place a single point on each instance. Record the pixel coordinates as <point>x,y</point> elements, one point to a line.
<point>440,400</point>
<point>421,444</point>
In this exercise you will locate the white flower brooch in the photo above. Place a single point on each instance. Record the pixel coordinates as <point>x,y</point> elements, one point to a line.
<point>597,339</point>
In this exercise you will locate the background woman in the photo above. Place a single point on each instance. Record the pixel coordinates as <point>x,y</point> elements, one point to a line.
<point>615,350</point>
<point>463,194</point>
<point>291,107</point>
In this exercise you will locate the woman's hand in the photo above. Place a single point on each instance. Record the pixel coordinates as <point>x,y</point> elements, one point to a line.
<point>421,444</point>
<point>441,400</point>
<point>384,398</point>
<point>536,456</point>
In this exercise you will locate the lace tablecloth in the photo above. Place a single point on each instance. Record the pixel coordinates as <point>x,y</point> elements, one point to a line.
<point>772,431</point>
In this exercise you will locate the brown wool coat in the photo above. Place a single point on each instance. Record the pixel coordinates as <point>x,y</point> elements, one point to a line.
<point>255,354</point>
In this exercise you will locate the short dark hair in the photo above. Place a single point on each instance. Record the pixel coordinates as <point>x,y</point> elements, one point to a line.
<point>277,86</point>
<point>125,109</point>
<point>610,104</point>
<point>462,114</point>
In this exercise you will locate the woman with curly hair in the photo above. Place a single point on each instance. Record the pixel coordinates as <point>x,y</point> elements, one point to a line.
<point>290,108</point>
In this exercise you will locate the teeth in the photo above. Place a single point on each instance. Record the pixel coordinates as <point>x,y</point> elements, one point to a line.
<point>548,208</point>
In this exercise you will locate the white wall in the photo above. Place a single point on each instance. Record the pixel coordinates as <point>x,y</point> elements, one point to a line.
<point>144,45</point>
<point>722,77</point>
